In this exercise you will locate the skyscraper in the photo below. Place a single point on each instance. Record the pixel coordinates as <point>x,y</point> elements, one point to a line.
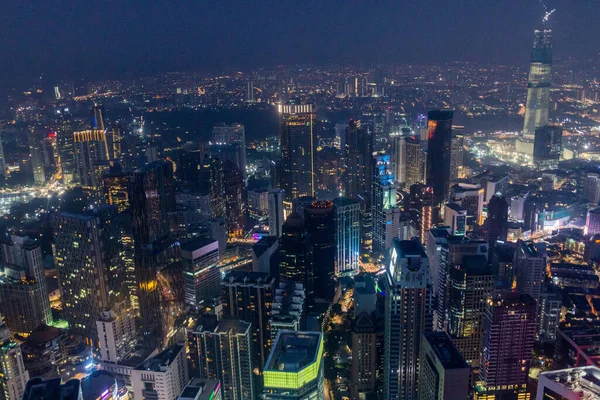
<point>347,234</point>
<point>87,254</point>
<point>23,293</point>
<point>116,333</point>
<point>232,134</point>
<point>364,355</point>
<point>508,339</point>
<point>248,296</point>
<point>444,373</point>
<point>298,147</point>
<point>161,377</point>
<point>530,263</point>
<point>456,157</point>
<point>295,370</point>
<point>470,286</point>
<point>34,137</point>
<point>91,153</point>
<point>358,155</point>
<point>235,199</point>
<point>13,376</point>
<point>383,198</point>
<point>592,222</point>
<point>296,255</point>
<point>398,153</point>
<point>151,194</point>
<point>591,188</point>
<point>407,317</point>
<point>497,219</point>
<point>547,146</point>
<point>539,81</point>
<point>439,149</point>
<point>413,162</point>
<point>225,353</point>
<point>319,219</point>
<point>276,216</point>
<point>201,275</point>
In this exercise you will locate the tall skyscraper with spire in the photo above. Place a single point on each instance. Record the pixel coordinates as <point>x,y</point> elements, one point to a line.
<point>538,85</point>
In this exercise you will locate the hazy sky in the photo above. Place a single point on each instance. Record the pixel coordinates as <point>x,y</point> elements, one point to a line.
<point>117,37</point>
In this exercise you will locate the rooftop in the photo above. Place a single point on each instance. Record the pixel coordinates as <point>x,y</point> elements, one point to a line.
<point>264,244</point>
<point>200,389</point>
<point>161,360</point>
<point>409,248</point>
<point>196,244</point>
<point>293,351</point>
<point>445,350</point>
<point>584,381</point>
<point>97,383</point>
<point>51,389</point>
<point>248,278</point>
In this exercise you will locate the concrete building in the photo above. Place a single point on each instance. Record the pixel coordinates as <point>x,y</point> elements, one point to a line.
<point>162,377</point>
<point>408,314</point>
<point>444,373</point>
<point>224,350</point>
<point>265,255</point>
<point>294,370</point>
<point>364,356</point>
<point>288,308</point>
<point>592,222</point>
<point>455,217</point>
<point>276,214</point>
<point>53,389</point>
<point>199,389</point>
<point>530,263</point>
<point>201,276</point>
<point>591,188</point>
<point>116,333</point>
<point>13,375</point>
<point>569,384</point>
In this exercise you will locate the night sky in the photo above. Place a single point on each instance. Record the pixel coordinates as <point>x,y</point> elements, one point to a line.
<point>116,38</point>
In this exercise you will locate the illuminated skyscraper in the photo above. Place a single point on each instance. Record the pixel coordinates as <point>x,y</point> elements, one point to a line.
<point>295,368</point>
<point>508,339</point>
<point>530,262</point>
<point>413,162</point>
<point>591,188</point>
<point>539,81</point>
<point>66,152</point>
<point>456,158</point>
<point>383,198</point>
<point>152,199</point>
<point>497,220</point>
<point>470,286</point>
<point>364,355</point>
<point>547,146</point>
<point>439,150</point>
<point>34,137</point>
<point>249,296</point>
<point>276,215</point>
<point>87,254</point>
<point>358,156</point>
<point>408,314</point>
<point>224,134</point>
<point>201,275</point>
<point>13,376</point>
<point>235,199</point>
<point>347,234</point>
<point>225,353</point>
<point>298,149</point>
<point>91,153</point>
<point>23,293</point>
<point>296,255</point>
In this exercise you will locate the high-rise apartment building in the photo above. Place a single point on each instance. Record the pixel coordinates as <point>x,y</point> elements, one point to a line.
<point>161,377</point>
<point>383,198</point>
<point>288,308</point>
<point>298,149</point>
<point>294,369</point>
<point>201,274</point>
<point>592,222</point>
<point>34,138</point>
<point>398,154</point>
<point>249,297</point>
<point>235,199</point>
<point>347,234</point>
<point>407,316</point>
<point>508,339</point>
<point>530,264</point>
<point>470,286</point>
<point>591,188</point>
<point>227,134</point>
<point>13,375</point>
<point>439,150</point>
<point>90,267</point>
<point>24,298</point>
<point>116,333</point>
<point>225,353</point>
<point>444,373</point>
<point>547,147</point>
